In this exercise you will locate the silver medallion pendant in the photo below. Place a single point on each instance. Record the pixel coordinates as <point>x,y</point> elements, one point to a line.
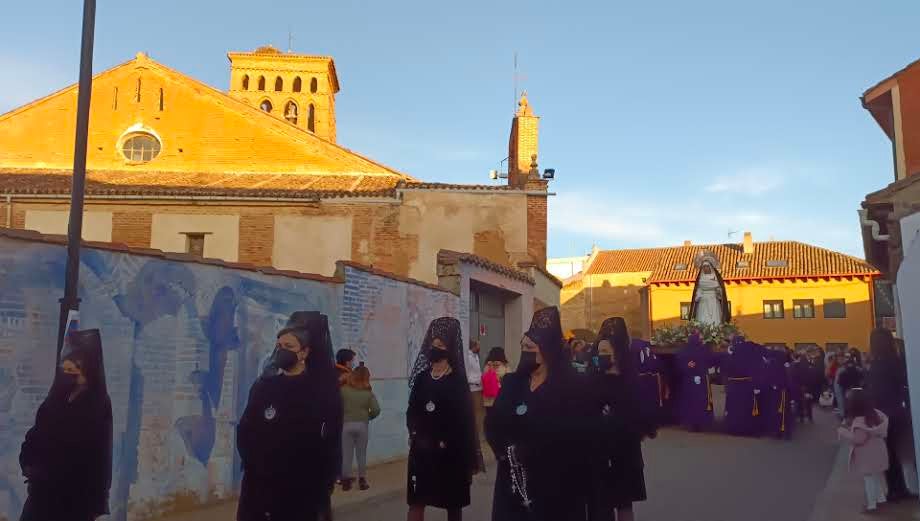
<point>521,409</point>
<point>606,410</point>
<point>430,407</point>
<point>270,413</point>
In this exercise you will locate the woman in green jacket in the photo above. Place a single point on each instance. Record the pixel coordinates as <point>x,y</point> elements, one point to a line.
<point>361,407</point>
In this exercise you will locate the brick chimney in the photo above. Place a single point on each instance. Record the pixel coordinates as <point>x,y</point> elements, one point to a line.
<point>522,144</point>
<point>688,243</point>
<point>748,243</point>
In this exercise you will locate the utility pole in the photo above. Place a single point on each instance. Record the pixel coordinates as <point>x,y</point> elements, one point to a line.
<point>70,304</point>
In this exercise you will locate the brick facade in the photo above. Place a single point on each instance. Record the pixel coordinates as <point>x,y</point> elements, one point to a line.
<point>536,228</point>
<point>132,228</point>
<point>257,237</point>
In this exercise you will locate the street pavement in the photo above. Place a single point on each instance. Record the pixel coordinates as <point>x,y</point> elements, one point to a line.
<point>690,477</point>
<point>696,477</point>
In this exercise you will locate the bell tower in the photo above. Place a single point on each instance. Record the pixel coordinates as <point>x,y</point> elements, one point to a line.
<point>297,88</point>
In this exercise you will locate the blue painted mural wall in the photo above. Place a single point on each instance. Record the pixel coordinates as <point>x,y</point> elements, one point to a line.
<point>183,343</point>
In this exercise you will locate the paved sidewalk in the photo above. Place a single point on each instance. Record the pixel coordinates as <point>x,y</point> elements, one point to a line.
<point>387,481</point>
<point>843,498</point>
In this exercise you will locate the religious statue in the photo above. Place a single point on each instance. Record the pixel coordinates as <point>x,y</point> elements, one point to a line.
<point>710,303</point>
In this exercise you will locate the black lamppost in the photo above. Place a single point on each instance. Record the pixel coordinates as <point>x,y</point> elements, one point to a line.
<point>71,302</point>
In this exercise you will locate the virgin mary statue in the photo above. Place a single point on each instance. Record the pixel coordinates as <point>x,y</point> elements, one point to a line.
<point>709,304</point>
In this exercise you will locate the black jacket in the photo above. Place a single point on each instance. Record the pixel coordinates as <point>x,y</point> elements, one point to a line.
<point>67,459</point>
<point>287,441</point>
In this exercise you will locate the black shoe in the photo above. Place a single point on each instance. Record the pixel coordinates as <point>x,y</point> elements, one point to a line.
<point>346,484</point>
<point>362,484</point>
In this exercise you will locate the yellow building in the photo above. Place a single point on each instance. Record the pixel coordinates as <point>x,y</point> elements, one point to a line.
<point>779,292</point>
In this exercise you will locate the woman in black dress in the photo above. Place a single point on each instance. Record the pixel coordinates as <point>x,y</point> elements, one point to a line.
<point>618,478</point>
<point>66,457</point>
<point>443,444</point>
<point>287,437</point>
<point>530,428</point>
<point>317,326</point>
<point>886,383</point>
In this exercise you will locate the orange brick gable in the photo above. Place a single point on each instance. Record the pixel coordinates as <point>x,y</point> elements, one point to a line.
<point>203,132</point>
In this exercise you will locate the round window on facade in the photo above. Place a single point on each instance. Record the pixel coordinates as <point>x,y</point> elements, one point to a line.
<point>140,147</point>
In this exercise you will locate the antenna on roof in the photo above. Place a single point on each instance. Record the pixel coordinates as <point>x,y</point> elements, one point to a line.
<point>732,234</point>
<point>516,77</point>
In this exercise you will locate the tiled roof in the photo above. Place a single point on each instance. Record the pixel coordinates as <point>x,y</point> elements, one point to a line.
<point>255,185</point>
<point>455,257</point>
<point>417,185</point>
<point>791,260</point>
<point>546,273</point>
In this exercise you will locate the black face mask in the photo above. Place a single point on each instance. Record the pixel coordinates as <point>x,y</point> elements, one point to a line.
<point>285,359</point>
<point>605,362</point>
<point>438,355</point>
<point>528,363</point>
<point>69,381</point>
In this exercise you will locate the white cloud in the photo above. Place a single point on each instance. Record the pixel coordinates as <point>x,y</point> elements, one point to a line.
<point>752,182</point>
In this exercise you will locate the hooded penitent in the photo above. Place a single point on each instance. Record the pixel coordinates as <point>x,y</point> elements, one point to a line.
<point>693,363</point>
<point>67,456</point>
<point>443,454</point>
<point>741,369</point>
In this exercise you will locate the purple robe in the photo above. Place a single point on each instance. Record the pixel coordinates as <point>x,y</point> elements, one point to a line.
<point>741,370</point>
<point>650,381</point>
<point>694,398</point>
<point>775,395</point>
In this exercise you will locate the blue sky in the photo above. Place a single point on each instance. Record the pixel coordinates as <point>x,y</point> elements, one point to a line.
<point>665,121</point>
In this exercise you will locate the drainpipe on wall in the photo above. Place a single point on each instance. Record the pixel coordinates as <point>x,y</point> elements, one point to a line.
<point>9,211</point>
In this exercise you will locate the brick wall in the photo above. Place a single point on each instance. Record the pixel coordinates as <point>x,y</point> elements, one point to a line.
<point>257,237</point>
<point>132,228</point>
<point>536,228</point>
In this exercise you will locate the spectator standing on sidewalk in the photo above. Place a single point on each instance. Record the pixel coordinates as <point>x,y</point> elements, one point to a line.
<point>66,457</point>
<point>496,369</point>
<point>886,384</point>
<point>344,364</point>
<point>865,429</point>
<point>850,375</point>
<point>474,378</point>
<point>360,407</point>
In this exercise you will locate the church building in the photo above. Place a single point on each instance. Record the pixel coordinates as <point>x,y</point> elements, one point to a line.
<point>255,175</point>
